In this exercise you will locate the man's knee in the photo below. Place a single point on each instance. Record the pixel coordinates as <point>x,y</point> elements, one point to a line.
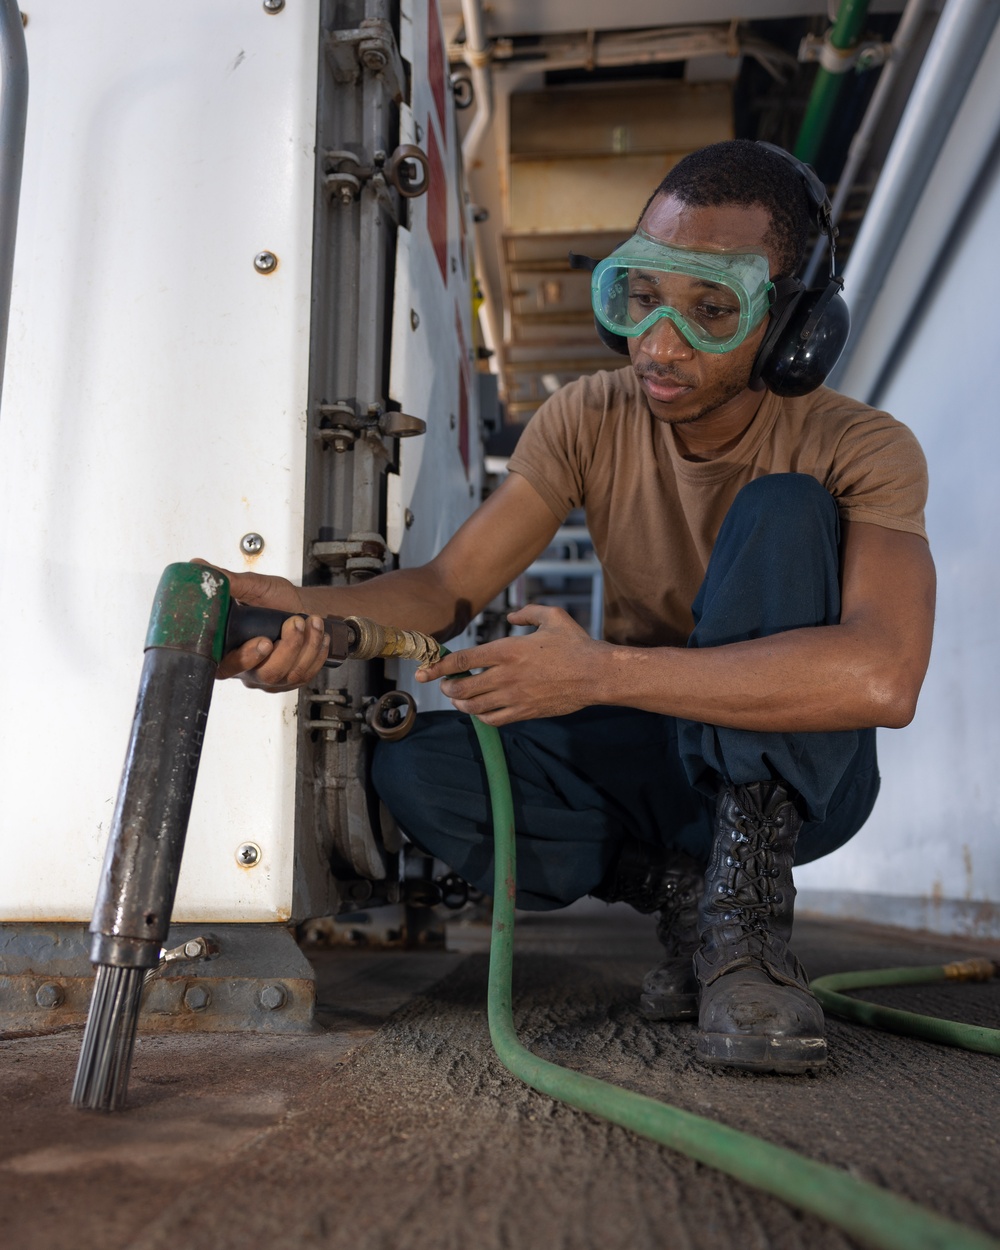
<point>406,773</point>
<point>788,499</point>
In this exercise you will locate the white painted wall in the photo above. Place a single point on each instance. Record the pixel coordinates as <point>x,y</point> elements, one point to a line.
<point>154,409</point>
<point>931,850</point>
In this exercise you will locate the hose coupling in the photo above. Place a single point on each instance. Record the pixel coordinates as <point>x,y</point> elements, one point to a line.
<point>374,641</point>
<point>971,970</point>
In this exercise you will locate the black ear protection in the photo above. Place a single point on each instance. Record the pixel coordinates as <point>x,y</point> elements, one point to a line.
<point>808,328</point>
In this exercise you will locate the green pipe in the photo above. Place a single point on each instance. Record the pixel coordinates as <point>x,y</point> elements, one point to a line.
<point>851,16</point>
<point>875,1217</point>
<point>946,1032</point>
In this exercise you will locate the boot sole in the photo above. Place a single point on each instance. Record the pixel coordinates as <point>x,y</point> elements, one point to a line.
<point>676,1007</point>
<point>762,1054</point>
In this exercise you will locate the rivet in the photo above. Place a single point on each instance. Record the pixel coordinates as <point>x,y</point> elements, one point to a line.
<point>414,319</point>
<point>49,995</point>
<point>248,854</point>
<point>265,262</point>
<point>251,544</point>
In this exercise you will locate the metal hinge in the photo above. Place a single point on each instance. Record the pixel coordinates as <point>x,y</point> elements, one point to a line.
<point>407,171</point>
<point>390,716</point>
<point>340,423</point>
<point>370,48</point>
<point>358,553</point>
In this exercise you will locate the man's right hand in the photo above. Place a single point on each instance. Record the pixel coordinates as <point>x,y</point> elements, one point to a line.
<point>292,661</point>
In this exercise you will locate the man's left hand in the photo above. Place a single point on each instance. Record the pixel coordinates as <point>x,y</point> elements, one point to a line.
<point>548,673</point>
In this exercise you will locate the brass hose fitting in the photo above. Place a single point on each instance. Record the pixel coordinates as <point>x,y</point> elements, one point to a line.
<point>375,641</point>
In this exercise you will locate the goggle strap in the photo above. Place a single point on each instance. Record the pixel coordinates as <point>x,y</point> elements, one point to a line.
<point>578,261</point>
<point>783,291</point>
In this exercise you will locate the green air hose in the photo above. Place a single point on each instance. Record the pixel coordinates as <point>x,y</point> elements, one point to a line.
<point>947,1032</point>
<point>872,1215</point>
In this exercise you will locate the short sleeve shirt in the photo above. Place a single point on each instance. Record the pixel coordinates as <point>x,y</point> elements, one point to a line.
<point>654,516</point>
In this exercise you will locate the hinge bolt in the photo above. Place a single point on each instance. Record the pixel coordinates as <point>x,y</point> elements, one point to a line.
<point>196,998</point>
<point>248,854</point>
<point>273,997</point>
<point>265,262</point>
<point>251,544</point>
<point>273,6</point>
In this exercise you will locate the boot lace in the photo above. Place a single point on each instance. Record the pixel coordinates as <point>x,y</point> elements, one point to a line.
<point>749,887</point>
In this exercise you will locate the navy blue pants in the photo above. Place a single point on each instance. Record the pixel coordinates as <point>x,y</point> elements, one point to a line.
<point>584,783</point>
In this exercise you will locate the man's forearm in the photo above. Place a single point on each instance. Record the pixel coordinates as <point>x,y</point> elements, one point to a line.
<point>819,679</point>
<point>408,598</point>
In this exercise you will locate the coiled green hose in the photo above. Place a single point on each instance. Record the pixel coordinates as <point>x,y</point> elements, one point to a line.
<point>946,1032</point>
<point>875,1217</point>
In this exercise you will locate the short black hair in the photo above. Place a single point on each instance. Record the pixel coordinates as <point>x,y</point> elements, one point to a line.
<point>742,172</point>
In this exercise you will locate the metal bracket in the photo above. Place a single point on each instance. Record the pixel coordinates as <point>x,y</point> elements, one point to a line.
<point>241,976</point>
<point>370,48</point>
<point>868,54</point>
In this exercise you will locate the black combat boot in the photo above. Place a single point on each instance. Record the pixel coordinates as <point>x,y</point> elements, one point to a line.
<point>668,882</point>
<point>756,1009</point>
<point>670,991</point>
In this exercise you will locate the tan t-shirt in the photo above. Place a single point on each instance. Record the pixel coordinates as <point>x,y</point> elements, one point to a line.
<point>654,516</point>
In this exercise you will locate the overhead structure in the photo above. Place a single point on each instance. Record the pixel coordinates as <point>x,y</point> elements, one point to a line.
<point>571,129</point>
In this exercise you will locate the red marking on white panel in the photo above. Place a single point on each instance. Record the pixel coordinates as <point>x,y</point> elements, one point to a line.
<point>437,203</point>
<point>436,67</point>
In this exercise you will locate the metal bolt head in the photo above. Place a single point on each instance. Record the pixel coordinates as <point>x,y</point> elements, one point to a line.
<point>194,948</point>
<point>49,995</point>
<point>273,6</point>
<point>248,854</point>
<point>251,544</point>
<point>265,262</point>
<point>273,997</point>
<point>196,998</point>
<point>374,60</point>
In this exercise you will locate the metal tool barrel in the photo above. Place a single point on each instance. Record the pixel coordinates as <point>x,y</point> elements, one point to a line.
<point>135,900</point>
<point>139,879</point>
<point>143,859</point>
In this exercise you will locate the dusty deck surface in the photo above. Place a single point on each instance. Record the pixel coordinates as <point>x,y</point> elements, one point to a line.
<point>396,1127</point>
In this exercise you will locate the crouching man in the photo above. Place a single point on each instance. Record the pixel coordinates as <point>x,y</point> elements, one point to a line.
<point>768,603</point>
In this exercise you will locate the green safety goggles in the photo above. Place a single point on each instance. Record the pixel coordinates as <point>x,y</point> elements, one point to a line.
<point>714,299</point>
